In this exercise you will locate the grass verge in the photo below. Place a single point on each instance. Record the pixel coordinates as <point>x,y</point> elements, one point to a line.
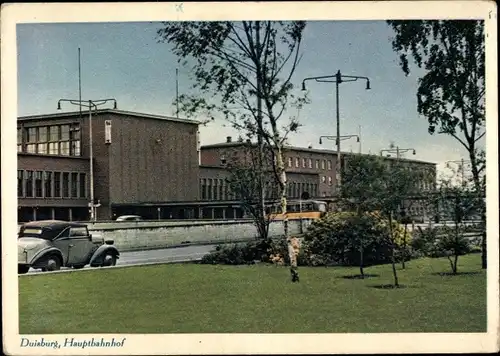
<point>191,298</point>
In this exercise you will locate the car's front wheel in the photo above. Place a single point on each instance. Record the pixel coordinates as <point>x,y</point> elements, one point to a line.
<point>23,269</point>
<point>53,264</point>
<point>109,259</point>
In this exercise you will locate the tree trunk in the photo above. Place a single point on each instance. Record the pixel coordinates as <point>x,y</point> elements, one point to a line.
<point>361,271</point>
<point>477,184</point>
<point>262,192</point>
<point>404,247</point>
<point>455,265</point>
<point>291,252</point>
<point>393,257</point>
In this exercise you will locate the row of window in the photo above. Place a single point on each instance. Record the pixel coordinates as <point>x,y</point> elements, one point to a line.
<point>63,140</point>
<point>218,189</point>
<point>47,184</point>
<point>308,163</point>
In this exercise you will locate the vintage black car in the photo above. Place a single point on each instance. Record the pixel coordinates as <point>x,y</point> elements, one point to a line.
<point>52,244</point>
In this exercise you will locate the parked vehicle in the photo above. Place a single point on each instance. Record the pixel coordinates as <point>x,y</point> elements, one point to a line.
<point>129,218</point>
<point>52,244</point>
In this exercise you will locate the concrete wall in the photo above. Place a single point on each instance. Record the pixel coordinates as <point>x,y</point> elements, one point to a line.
<point>144,235</point>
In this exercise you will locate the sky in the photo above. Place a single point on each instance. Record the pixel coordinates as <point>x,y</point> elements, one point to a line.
<point>125,61</point>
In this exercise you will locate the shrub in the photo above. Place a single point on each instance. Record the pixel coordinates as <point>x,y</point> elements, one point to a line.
<point>237,254</point>
<point>336,238</point>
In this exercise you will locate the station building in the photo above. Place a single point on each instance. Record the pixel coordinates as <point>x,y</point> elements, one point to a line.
<point>147,165</point>
<point>136,158</point>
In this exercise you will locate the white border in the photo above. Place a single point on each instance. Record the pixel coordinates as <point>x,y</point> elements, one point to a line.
<point>245,343</point>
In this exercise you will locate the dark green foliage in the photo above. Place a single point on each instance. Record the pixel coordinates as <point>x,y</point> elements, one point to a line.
<point>238,254</point>
<point>336,238</point>
<point>451,93</point>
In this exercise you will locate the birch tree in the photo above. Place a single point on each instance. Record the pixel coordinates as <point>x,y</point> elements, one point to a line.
<point>242,72</point>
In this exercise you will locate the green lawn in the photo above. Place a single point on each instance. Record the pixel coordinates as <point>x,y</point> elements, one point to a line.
<point>190,298</point>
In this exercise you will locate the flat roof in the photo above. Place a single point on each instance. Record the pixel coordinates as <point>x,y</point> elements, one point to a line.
<point>310,150</point>
<point>60,115</point>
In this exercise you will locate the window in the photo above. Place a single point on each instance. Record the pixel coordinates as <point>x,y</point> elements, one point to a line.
<point>74,136</point>
<point>329,180</point>
<point>78,231</point>
<point>48,184</point>
<point>303,163</point>
<point>31,148</point>
<point>323,179</point>
<point>289,190</point>
<point>64,132</point>
<point>209,190</point>
<point>38,184</point>
<point>31,134</point>
<point>297,162</point>
<point>216,191</point>
<point>203,189</point>
<point>19,139</point>
<point>64,148</point>
<point>329,165</point>
<point>317,164</point>
<point>221,189</point>
<point>65,185</point>
<point>42,148</point>
<point>83,186</point>
<point>323,164</point>
<point>290,161</point>
<point>74,185</point>
<point>20,183</point>
<point>310,163</point>
<point>57,184</point>
<point>42,134</point>
<point>53,133</point>
<point>54,148</point>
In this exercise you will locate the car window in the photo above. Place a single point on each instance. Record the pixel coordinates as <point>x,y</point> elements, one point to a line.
<point>78,232</point>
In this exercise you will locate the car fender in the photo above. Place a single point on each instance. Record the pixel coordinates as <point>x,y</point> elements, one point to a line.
<point>45,252</point>
<point>101,251</point>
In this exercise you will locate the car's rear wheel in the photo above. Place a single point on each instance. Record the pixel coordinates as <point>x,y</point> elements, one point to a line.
<point>53,264</point>
<point>22,269</point>
<point>109,259</point>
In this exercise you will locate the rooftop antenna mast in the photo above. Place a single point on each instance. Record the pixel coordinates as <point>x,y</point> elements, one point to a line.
<point>79,82</point>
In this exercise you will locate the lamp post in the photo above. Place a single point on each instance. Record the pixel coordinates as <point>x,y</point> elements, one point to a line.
<point>342,138</point>
<point>89,104</point>
<point>338,79</point>
<point>398,151</point>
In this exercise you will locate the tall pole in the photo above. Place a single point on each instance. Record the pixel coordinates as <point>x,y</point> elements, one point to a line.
<point>92,209</point>
<point>79,82</point>
<point>339,160</point>
<point>177,91</point>
<point>359,137</point>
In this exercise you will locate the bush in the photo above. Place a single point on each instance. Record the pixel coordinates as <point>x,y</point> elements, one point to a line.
<point>441,242</point>
<point>238,254</point>
<point>336,238</point>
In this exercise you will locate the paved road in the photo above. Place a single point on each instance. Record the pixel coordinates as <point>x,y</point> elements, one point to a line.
<point>179,254</point>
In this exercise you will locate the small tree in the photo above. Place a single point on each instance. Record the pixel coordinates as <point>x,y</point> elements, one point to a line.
<point>459,202</point>
<point>359,190</point>
<point>451,93</point>
<point>243,72</point>
<point>372,183</point>
<point>250,181</point>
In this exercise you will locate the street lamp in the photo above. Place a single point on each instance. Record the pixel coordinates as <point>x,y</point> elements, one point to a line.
<point>342,138</point>
<point>338,79</point>
<point>89,104</point>
<point>398,151</point>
